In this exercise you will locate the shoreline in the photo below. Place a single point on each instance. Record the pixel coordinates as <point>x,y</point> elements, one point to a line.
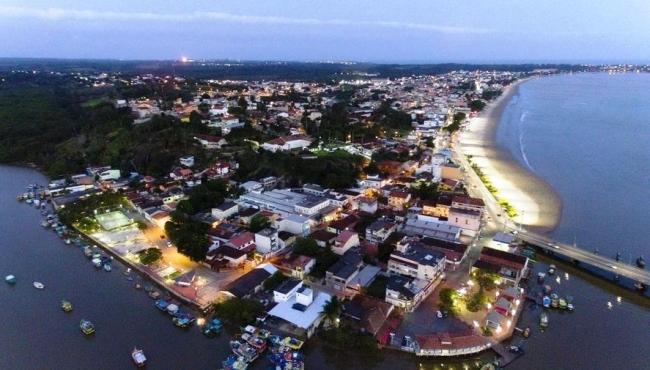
<point>538,205</point>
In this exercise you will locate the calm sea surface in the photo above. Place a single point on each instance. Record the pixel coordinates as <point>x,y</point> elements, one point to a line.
<point>588,135</point>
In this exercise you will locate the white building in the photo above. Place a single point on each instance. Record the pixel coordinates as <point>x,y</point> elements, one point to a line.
<point>267,241</point>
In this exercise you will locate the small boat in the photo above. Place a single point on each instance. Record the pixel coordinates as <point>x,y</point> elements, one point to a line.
<point>546,301</point>
<point>161,304</point>
<point>244,350</point>
<point>38,285</point>
<point>563,304</point>
<point>555,301</point>
<point>543,320</point>
<point>439,314</point>
<point>640,262</point>
<point>292,343</point>
<point>618,256</point>
<point>526,333</point>
<point>138,357</point>
<point>127,271</point>
<point>97,262</point>
<point>640,286</point>
<point>275,340</point>
<point>107,267</point>
<point>570,307</point>
<point>87,251</point>
<point>86,327</point>
<point>540,276</point>
<point>234,362</point>
<point>172,309</point>
<point>10,279</point>
<point>66,306</point>
<point>213,326</point>
<point>154,294</point>
<point>183,321</point>
<point>45,224</point>
<point>547,289</point>
<point>551,269</point>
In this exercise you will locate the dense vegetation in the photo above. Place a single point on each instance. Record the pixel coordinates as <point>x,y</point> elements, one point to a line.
<point>332,170</point>
<point>239,311</point>
<point>150,256</point>
<point>188,235</point>
<point>64,127</point>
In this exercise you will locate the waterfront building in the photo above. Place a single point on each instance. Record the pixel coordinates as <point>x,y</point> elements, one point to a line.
<point>249,283</point>
<point>509,266</point>
<point>303,309</point>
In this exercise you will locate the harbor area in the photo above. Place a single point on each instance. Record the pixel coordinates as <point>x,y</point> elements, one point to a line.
<point>188,280</point>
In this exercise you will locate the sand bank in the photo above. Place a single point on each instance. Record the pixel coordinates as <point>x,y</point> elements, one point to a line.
<point>537,204</point>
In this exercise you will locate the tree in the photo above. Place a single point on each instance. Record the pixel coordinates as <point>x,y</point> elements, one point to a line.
<point>242,103</point>
<point>447,300</point>
<point>475,301</point>
<point>274,281</point>
<point>188,235</point>
<point>258,222</point>
<point>332,310</point>
<point>477,105</point>
<point>425,190</point>
<point>239,311</point>
<point>150,256</point>
<point>306,247</point>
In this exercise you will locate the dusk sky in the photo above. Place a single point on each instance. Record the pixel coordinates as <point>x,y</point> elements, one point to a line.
<point>377,30</point>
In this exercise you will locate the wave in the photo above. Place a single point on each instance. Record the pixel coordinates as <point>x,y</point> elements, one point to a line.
<point>522,148</point>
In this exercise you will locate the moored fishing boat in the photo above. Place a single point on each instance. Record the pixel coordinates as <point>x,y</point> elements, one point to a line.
<point>292,343</point>
<point>66,306</point>
<point>138,357</point>
<point>212,327</point>
<point>543,320</point>
<point>243,349</point>
<point>10,279</point>
<point>161,304</point>
<point>546,301</point>
<point>234,362</point>
<point>86,327</point>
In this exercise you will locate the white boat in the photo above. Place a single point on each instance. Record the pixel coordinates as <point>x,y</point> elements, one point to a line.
<point>97,262</point>
<point>10,279</point>
<point>107,267</point>
<point>138,357</point>
<point>38,285</point>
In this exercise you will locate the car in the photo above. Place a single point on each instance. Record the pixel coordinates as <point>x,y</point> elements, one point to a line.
<point>614,267</point>
<point>556,246</point>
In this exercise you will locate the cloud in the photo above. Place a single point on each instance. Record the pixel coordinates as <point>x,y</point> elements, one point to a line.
<point>59,14</point>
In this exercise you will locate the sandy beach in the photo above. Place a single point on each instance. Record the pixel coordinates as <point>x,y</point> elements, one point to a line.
<point>538,205</point>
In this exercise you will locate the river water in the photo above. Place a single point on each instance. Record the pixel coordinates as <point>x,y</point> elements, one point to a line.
<point>588,136</point>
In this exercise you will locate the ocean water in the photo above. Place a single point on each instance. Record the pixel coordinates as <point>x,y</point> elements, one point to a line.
<point>588,136</point>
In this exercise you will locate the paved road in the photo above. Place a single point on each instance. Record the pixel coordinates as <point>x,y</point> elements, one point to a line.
<point>498,220</point>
